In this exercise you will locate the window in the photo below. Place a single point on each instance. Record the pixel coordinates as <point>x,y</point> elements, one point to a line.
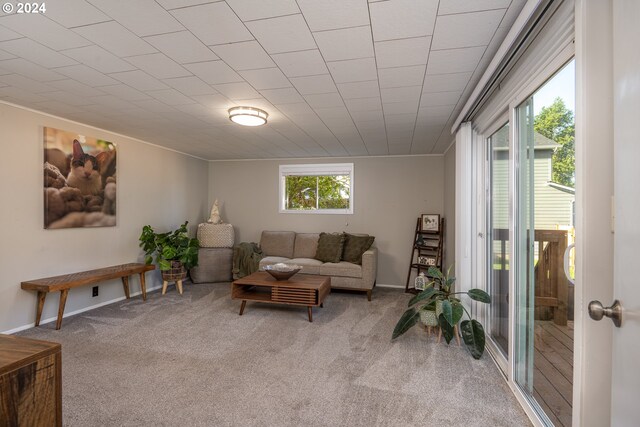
<point>318,189</point>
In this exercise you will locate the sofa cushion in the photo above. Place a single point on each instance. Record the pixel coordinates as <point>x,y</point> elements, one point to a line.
<point>277,243</point>
<point>355,246</point>
<point>309,265</point>
<point>306,244</point>
<point>342,268</point>
<point>330,247</point>
<point>268,260</point>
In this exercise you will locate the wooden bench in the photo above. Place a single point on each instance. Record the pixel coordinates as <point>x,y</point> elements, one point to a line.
<point>67,281</point>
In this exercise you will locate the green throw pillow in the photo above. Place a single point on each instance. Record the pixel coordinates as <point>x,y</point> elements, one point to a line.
<point>355,246</point>
<point>330,247</point>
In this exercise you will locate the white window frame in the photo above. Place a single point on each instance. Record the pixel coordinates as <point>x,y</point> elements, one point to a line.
<point>316,170</point>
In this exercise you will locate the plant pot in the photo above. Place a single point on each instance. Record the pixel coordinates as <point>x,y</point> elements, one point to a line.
<point>177,272</point>
<point>428,317</point>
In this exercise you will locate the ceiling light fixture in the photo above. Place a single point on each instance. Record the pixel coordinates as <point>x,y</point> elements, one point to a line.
<point>248,116</point>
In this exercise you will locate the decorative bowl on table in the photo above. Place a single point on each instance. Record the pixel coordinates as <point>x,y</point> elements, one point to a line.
<point>282,271</point>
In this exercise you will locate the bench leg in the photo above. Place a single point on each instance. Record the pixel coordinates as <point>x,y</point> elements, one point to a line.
<point>179,286</point>
<point>143,287</point>
<point>164,286</point>
<point>369,294</point>
<point>41,297</point>
<point>63,301</point>
<point>125,285</point>
<point>310,310</point>
<point>242,306</point>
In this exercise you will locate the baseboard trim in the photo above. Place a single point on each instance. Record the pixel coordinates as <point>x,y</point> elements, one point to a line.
<point>382,285</point>
<point>82,310</point>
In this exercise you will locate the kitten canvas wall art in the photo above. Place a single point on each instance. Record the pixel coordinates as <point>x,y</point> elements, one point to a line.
<point>79,180</point>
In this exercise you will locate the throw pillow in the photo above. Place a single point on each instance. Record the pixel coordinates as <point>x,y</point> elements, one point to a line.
<point>330,247</point>
<point>355,246</point>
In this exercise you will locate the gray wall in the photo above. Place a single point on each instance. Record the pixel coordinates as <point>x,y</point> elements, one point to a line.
<point>155,186</point>
<point>450,206</point>
<point>390,193</point>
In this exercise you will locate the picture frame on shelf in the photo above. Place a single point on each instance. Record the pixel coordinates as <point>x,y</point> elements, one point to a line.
<point>430,222</point>
<point>427,260</point>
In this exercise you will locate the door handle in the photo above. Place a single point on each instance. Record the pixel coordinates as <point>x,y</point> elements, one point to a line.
<point>597,312</point>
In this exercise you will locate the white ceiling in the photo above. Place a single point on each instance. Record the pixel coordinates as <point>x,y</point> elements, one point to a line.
<point>337,77</point>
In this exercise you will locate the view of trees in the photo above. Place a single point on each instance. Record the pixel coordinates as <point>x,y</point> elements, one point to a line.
<point>322,192</point>
<point>556,122</point>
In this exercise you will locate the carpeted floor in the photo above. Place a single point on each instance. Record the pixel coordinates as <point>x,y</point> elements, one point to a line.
<point>192,361</point>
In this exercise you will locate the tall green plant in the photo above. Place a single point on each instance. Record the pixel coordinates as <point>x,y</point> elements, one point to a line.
<point>170,246</point>
<point>438,297</point>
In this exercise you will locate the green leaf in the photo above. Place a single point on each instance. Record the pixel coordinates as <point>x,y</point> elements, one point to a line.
<point>408,319</point>
<point>424,295</point>
<point>479,295</point>
<point>447,329</point>
<point>457,311</point>
<point>169,252</point>
<point>447,312</point>
<point>164,264</point>
<point>148,259</point>
<point>435,272</point>
<point>473,336</point>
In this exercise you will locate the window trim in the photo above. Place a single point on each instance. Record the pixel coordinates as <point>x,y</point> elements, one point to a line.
<point>316,169</point>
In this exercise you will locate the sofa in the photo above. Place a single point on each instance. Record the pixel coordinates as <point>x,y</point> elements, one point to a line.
<point>300,248</point>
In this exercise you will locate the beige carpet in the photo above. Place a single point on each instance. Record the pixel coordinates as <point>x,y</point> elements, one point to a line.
<point>192,361</point>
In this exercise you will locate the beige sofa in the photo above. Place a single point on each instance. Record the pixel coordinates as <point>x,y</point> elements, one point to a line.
<point>300,249</point>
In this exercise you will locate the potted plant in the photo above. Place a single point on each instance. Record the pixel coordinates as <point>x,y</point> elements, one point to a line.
<point>175,252</point>
<point>438,297</point>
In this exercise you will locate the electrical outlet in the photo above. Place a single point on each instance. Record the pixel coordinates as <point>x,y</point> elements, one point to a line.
<point>94,291</point>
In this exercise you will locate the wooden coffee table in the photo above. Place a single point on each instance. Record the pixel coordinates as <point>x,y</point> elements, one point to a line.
<point>302,289</point>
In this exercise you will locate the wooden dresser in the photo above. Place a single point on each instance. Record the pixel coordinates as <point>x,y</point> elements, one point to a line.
<point>30,382</point>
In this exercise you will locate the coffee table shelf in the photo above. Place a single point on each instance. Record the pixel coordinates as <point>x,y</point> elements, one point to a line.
<point>301,290</point>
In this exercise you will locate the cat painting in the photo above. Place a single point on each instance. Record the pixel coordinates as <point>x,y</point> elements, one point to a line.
<point>80,181</point>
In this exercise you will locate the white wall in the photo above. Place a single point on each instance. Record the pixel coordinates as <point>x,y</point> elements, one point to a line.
<point>450,206</point>
<point>390,193</point>
<point>155,186</point>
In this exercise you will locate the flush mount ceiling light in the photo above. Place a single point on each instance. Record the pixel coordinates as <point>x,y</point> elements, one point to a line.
<point>248,116</point>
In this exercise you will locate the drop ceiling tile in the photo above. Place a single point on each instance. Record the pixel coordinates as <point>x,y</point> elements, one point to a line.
<point>143,17</point>
<point>115,38</point>
<point>99,59</point>
<point>124,92</point>
<point>171,97</point>
<point>216,102</point>
<point>398,19</point>
<point>249,10</point>
<point>183,47</point>
<point>299,109</point>
<point>37,53</point>
<point>7,34</point>
<point>27,84</point>
<point>109,101</point>
<point>364,104</point>
<point>353,70</point>
<point>214,72</point>
<point>15,94</point>
<point>159,66</point>
<point>283,34</point>
<point>398,148</point>
<point>324,100</point>
<point>43,30</point>
<point>29,69</point>
<point>462,6</point>
<point>372,115</point>
<point>401,76</point>
<point>439,98</point>
<point>314,84</point>
<point>213,23</point>
<point>402,53</point>
<point>76,88</point>
<point>446,82</point>
<point>237,90</point>
<point>303,63</point>
<point>335,114</point>
<point>400,107</point>
<point>282,96</point>
<point>190,86</point>
<point>454,60</point>
<point>333,14</point>
<point>348,43</point>
<point>359,89</point>
<point>75,13</point>
<point>154,106</point>
<point>86,75</point>
<point>397,121</point>
<point>268,78</point>
<point>466,29</point>
<point>139,80</point>
<point>244,56</point>
<point>409,94</point>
